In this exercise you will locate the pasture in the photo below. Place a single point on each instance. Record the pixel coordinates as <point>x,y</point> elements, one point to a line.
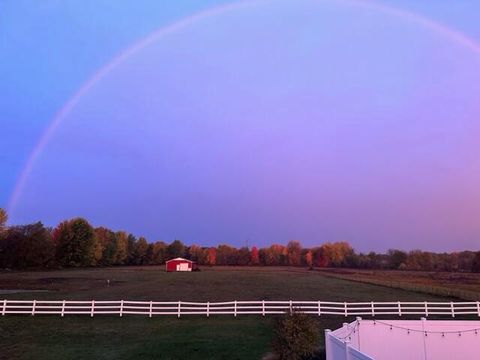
<point>460,285</point>
<point>192,337</point>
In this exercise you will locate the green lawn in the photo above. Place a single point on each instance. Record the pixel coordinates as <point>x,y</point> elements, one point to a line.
<point>134,337</point>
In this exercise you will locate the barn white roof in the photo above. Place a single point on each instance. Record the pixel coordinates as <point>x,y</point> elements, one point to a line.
<point>179,259</point>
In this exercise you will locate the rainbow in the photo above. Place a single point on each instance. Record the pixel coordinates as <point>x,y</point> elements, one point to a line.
<point>433,26</point>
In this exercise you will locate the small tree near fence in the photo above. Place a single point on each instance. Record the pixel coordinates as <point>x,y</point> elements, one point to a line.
<point>296,336</point>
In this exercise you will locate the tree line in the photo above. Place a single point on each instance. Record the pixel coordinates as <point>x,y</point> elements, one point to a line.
<point>76,243</point>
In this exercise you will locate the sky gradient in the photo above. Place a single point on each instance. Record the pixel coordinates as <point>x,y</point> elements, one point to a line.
<point>260,122</point>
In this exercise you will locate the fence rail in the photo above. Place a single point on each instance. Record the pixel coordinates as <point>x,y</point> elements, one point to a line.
<point>235,308</point>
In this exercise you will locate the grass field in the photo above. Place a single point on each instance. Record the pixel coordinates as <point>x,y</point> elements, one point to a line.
<point>465,286</point>
<point>130,337</point>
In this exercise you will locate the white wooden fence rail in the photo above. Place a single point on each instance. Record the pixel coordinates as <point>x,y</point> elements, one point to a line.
<point>235,308</point>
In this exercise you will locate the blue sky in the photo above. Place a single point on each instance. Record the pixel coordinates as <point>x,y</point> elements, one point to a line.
<point>270,172</point>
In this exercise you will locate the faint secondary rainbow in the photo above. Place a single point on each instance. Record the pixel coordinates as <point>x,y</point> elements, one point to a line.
<point>433,26</point>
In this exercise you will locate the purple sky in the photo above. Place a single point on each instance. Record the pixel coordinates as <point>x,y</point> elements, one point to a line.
<point>309,120</point>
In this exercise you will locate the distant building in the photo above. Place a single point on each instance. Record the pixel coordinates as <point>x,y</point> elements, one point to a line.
<point>404,339</point>
<point>179,264</point>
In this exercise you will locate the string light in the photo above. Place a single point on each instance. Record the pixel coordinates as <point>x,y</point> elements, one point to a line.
<point>352,331</point>
<point>426,332</point>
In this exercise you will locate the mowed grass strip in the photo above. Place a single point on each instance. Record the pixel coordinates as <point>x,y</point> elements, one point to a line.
<point>166,337</point>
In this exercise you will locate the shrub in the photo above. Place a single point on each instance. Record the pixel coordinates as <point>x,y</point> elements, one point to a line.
<point>296,336</point>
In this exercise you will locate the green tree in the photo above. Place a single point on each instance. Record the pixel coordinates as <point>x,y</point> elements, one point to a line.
<point>121,245</point>
<point>3,219</point>
<point>296,336</point>
<point>396,258</point>
<point>176,249</point>
<point>140,249</point>
<point>156,253</point>
<point>131,241</point>
<point>30,246</point>
<point>106,240</point>
<point>476,262</point>
<point>76,243</point>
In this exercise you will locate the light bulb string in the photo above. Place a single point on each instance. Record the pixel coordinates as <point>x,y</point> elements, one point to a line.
<point>355,327</point>
<point>476,330</point>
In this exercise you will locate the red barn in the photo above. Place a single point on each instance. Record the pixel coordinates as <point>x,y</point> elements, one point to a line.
<point>179,264</point>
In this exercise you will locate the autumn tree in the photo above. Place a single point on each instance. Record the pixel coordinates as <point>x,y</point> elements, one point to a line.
<point>308,258</point>
<point>196,254</point>
<point>211,256</point>
<point>243,256</point>
<point>294,253</point>
<point>320,257</point>
<point>75,240</point>
<point>254,256</point>
<point>275,255</point>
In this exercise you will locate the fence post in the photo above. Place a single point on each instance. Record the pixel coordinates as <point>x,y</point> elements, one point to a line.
<point>478,308</point>
<point>346,341</point>
<point>373,309</point>
<point>328,346</point>
<point>346,312</point>
<point>93,308</point>
<point>150,310</point>
<point>208,308</point>
<point>4,308</point>
<point>426,308</point>
<point>179,311</point>
<point>121,308</point>
<point>399,309</point>
<point>235,308</point>
<point>453,309</point>
<point>291,310</point>
<point>319,308</point>
<point>33,307</point>
<point>347,351</point>
<point>424,330</point>
<point>63,309</point>
<point>346,328</point>
<point>357,331</point>
<point>263,307</point>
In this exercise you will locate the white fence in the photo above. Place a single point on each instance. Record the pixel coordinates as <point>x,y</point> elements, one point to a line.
<point>404,339</point>
<point>262,307</point>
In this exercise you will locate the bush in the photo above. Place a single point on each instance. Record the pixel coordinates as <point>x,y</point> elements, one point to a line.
<point>296,336</point>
